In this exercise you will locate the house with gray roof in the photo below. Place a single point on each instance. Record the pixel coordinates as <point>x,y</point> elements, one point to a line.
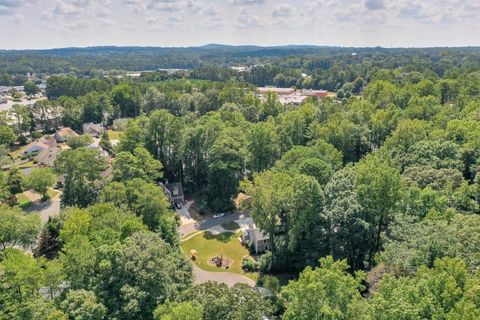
<point>93,129</point>
<point>174,192</point>
<point>256,239</point>
<point>47,157</point>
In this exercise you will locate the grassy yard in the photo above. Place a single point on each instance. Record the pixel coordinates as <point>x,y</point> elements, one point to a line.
<point>16,153</point>
<point>208,246</point>
<point>52,193</point>
<point>114,135</point>
<point>23,200</point>
<point>26,165</point>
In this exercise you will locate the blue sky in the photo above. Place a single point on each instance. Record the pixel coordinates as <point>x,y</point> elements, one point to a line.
<point>398,23</point>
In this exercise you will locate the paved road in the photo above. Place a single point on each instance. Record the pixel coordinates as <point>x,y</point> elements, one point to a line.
<point>229,278</point>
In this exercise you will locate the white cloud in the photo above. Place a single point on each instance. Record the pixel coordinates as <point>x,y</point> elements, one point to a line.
<point>8,7</point>
<point>248,20</point>
<point>283,10</point>
<point>63,8</point>
<point>190,22</point>
<point>246,2</point>
<point>375,4</point>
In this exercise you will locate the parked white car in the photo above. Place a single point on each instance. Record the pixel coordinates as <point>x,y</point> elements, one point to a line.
<point>218,215</point>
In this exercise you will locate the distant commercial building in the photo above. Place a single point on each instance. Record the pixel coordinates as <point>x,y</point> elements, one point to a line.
<point>278,91</point>
<point>288,96</point>
<point>295,98</point>
<point>315,93</point>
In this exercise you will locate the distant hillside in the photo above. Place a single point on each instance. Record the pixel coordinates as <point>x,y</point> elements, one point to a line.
<point>150,58</point>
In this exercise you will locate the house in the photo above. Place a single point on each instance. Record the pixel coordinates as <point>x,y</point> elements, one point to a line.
<point>47,157</point>
<point>174,192</point>
<point>93,129</point>
<point>3,100</point>
<point>39,145</point>
<point>64,134</point>
<point>257,239</point>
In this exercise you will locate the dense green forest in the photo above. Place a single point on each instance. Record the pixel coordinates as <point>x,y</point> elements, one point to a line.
<point>327,68</point>
<point>370,199</point>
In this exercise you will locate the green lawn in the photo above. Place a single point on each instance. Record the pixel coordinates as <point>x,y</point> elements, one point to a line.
<point>23,200</point>
<point>16,152</point>
<point>208,245</point>
<point>232,225</point>
<point>115,135</point>
<point>26,165</point>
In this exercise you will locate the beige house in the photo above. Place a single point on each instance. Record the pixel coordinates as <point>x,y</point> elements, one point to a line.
<point>64,134</point>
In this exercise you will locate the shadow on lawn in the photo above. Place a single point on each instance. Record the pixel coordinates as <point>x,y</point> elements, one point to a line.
<point>222,237</point>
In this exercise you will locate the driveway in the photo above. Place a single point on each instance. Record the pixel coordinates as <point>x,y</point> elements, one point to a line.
<point>190,226</point>
<point>50,208</point>
<point>229,278</point>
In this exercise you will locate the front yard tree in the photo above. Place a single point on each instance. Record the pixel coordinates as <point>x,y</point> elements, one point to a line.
<point>40,180</point>
<point>17,228</point>
<point>47,114</point>
<point>31,88</point>
<point>81,168</point>
<point>15,180</point>
<point>49,243</point>
<point>7,135</point>
<point>21,117</point>
<point>105,142</point>
<point>80,141</point>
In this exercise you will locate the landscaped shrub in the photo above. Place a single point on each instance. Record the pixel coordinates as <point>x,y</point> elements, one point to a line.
<point>265,262</point>
<point>249,265</point>
<point>37,134</point>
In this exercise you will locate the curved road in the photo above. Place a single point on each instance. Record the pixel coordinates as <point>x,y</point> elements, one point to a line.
<point>228,278</point>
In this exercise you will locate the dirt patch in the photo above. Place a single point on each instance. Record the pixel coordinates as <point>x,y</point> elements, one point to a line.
<point>220,262</point>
